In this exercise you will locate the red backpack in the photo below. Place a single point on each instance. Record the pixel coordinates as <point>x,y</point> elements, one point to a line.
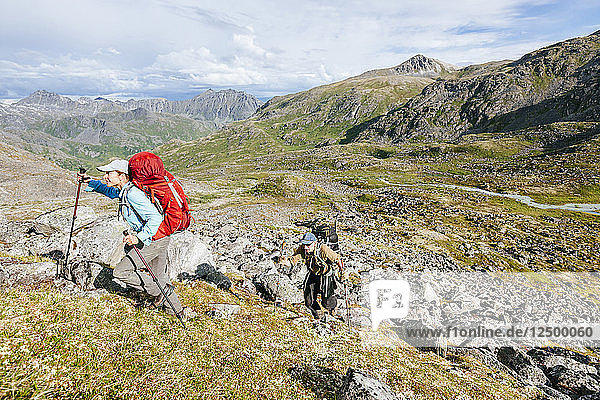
<point>147,172</point>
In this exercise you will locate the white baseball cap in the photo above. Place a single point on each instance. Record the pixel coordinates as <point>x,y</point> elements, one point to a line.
<point>115,165</point>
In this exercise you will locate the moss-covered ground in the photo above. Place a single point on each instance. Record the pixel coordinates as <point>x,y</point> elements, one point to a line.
<point>54,345</point>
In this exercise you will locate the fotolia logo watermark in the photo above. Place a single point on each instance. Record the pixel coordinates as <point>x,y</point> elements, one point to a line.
<point>389,299</point>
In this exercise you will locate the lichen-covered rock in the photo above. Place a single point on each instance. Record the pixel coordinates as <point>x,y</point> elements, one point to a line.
<point>324,382</point>
<point>573,382</point>
<point>223,311</point>
<point>62,219</point>
<point>520,362</point>
<point>277,286</point>
<point>360,386</point>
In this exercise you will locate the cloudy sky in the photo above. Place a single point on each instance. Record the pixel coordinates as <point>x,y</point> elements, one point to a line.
<point>179,48</point>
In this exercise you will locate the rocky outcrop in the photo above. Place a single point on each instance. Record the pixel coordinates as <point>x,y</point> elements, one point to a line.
<point>186,253</point>
<point>327,383</point>
<point>276,286</point>
<point>96,243</point>
<point>559,373</point>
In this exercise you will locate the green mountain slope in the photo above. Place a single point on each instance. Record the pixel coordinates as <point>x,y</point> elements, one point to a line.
<point>314,118</point>
<point>325,112</point>
<point>556,83</point>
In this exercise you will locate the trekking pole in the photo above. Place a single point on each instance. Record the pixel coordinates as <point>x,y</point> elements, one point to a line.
<point>346,296</point>
<point>343,281</point>
<point>60,272</point>
<point>278,278</point>
<point>155,279</point>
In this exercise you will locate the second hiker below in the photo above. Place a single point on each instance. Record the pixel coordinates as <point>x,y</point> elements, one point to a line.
<point>144,220</point>
<point>322,277</point>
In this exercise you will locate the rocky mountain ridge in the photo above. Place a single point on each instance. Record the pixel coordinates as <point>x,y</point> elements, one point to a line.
<point>217,106</point>
<point>73,132</point>
<point>556,83</point>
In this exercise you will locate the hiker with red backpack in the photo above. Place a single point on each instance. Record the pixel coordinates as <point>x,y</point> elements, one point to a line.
<point>145,190</point>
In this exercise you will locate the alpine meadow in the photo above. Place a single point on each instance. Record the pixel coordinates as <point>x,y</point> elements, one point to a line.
<point>477,186</point>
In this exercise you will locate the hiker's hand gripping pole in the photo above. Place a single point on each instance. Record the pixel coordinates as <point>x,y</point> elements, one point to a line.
<point>80,180</point>
<point>154,278</point>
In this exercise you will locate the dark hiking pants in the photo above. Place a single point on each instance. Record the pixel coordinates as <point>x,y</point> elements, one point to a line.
<point>131,271</point>
<point>313,286</point>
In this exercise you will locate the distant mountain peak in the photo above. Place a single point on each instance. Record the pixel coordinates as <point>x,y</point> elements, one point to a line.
<point>45,98</point>
<point>418,65</point>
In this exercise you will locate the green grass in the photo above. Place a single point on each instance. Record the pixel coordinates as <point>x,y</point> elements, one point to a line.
<point>271,186</point>
<point>580,194</point>
<point>366,198</point>
<point>58,346</point>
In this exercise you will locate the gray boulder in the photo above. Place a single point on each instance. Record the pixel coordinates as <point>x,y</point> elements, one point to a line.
<point>24,238</point>
<point>277,286</point>
<point>324,382</point>
<point>61,219</point>
<point>532,375</point>
<point>553,394</point>
<point>571,364</point>
<point>84,274</point>
<point>186,251</point>
<point>101,241</point>
<point>28,273</point>
<point>520,362</point>
<point>573,382</point>
<point>358,385</point>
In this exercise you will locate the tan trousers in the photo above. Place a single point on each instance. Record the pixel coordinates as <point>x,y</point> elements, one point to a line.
<point>131,271</point>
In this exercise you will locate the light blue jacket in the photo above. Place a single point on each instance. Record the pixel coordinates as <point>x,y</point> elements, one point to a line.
<point>146,225</point>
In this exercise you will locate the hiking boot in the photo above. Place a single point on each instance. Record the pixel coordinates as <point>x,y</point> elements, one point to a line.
<point>337,315</point>
<point>158,302</point>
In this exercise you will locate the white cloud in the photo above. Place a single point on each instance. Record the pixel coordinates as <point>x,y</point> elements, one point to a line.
<point>109,51</point>
<point>245,44</point>
<point>188,61</point>
<point>266,47</point>
<point>201,66</point>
